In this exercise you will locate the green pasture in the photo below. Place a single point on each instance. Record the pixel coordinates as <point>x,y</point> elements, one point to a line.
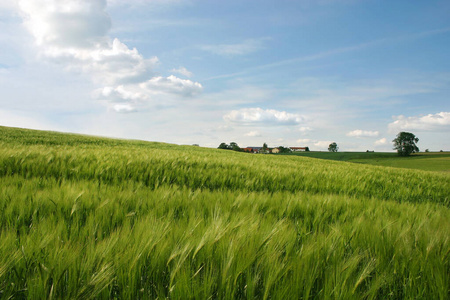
<point>427,161</point>
<point>93,218</point>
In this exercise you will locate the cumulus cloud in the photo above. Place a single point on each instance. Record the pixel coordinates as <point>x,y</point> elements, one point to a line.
<point>74,34</point>
<point>119,94</point>
<point>67,23</point>
<point>427,122</point>
<point>183,71</point>
<point>363,133</point>
<point>115,64</point>
<point>264,116</point>
<point>173,85</point>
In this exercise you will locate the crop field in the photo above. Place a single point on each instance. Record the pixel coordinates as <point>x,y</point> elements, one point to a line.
<point>427,161</point>
<point>94,218</point>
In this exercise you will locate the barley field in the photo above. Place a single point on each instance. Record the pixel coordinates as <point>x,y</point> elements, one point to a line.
<point>94,218</point>
<point>427,161</point>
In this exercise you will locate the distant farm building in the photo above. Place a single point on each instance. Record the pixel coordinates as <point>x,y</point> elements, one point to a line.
<point>272,150</point>
<point>298,149</point>
<point>252,149</point>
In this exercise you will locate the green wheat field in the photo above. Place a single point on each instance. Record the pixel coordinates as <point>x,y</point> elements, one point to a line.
<point>94,218</point>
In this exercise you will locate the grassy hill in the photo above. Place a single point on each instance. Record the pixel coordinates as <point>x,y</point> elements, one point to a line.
<point>88,217</point>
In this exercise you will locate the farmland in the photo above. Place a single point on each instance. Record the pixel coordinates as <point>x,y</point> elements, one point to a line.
<point>427,161</point>
<point>87,217</point>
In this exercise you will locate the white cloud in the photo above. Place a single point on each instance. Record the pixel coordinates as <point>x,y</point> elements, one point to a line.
<point>183,71</point>
<point>381,142</point>
<point>116,64</point>
<point>8,5</point>
<point>119,94</point>
<point>244,48</point>
<point>363,133</point>
<point>74,34</point>
<point>139,3</point>
<point>428,122</point>
<point>124,108</point>
<point>173,85</point>
<point>66,23</point>
<point>259,115</point>
<point>110,63</point>
<point>253,134</point>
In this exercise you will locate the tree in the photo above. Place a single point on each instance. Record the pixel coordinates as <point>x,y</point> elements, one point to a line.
<point>405,143</point>
<point>333,147</point>
<point>264,148</point>
<point>307,149</point>
<point>223,146</point>
<point>234,146</point>
<point>284,149</point>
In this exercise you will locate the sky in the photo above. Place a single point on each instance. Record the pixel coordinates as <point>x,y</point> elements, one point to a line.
<point>286,73</point>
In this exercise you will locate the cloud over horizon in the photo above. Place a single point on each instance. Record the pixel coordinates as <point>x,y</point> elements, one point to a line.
<point>204,72</point>
<point>428,122</point>
<point>363,133</point>
<point>74,34</point>
<point>248,116</point>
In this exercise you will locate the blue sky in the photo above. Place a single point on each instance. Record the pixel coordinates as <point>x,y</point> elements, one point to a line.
<point>291,73</point>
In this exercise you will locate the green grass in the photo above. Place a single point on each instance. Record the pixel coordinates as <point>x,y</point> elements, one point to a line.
<point>87,217</point>
<point>437,162</point>
<point>427,161</point>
